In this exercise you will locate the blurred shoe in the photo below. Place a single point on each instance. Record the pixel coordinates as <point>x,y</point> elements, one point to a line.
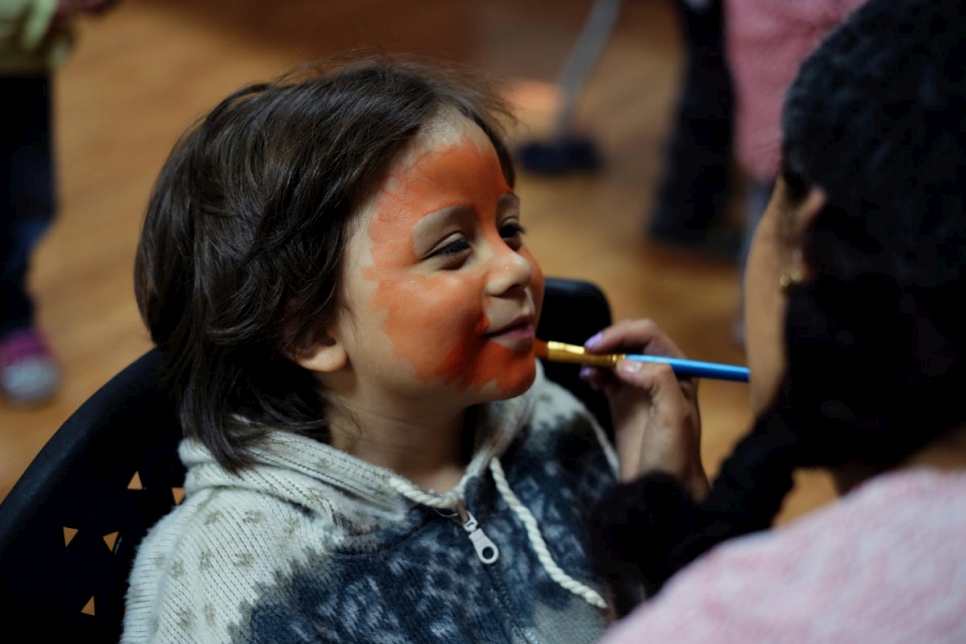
<point>28,373</point>
<point>558,156</point>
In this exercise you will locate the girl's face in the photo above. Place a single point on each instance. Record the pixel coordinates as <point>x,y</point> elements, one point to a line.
<point>440,292</point>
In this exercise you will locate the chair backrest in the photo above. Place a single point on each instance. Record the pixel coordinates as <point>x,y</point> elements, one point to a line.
<point>574,310</point>
<point>70,526</point>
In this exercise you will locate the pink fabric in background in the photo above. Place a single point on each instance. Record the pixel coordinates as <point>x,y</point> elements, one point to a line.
<point>766,42</point>
<point>885,564</point>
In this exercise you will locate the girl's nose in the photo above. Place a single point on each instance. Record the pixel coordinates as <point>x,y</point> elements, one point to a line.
<point>508,270</point>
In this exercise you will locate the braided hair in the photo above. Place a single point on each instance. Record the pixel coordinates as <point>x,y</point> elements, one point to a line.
<point>875,336</point>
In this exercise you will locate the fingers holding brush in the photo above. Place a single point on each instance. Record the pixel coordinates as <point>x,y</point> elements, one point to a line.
<point>634,336</point>
<point>630,336</point>
<point>656,418</point>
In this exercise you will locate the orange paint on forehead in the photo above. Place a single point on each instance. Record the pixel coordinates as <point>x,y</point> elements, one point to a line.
<point>454,175</point>
<point>436,321</point>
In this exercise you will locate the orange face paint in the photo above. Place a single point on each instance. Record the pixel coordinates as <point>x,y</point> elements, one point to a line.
<point>437,318</point>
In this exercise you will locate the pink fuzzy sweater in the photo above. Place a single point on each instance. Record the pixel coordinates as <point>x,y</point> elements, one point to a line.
<point>767,40</point>
<point>886,563</point>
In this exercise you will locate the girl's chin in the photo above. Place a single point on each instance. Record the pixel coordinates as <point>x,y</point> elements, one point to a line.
<point>503,379</point>
<point>504,388</point>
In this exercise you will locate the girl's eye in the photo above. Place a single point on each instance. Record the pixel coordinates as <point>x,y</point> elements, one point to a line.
<point>453,248</point>
<point>512,230</point>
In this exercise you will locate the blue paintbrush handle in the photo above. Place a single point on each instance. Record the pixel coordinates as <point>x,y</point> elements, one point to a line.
<point>697,369</point>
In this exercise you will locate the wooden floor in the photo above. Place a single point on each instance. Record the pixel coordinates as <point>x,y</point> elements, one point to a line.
<point>141,73</point>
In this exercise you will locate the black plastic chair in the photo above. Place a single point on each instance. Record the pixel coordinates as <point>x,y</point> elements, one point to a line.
<point>70,526</point>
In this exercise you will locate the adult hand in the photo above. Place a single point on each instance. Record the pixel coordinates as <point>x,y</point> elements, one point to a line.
<point>657,424</point>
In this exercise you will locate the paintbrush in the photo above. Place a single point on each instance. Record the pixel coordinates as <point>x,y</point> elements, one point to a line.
<point>561,352</point>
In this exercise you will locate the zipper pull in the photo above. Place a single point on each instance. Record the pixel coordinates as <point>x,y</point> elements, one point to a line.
<point>486,550</point>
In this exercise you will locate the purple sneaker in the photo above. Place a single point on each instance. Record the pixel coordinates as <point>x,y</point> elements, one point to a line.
<point>28,373</point>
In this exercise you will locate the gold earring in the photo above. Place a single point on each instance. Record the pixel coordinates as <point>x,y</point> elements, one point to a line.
<point>788,280</point>
<point>795,276</point>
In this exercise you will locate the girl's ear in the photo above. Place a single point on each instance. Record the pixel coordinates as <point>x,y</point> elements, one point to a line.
<point>326,355</point>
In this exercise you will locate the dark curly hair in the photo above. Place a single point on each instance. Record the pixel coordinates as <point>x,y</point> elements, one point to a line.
<point>240,258</point>
<point>875,337</point>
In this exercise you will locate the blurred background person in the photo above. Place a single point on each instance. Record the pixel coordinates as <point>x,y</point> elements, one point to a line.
<point>766,42</point>
<point>692,196</point>
<point>740,58</point>
<point>36,36</point>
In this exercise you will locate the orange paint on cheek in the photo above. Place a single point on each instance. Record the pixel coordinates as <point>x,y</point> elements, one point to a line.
<point>470,366</point>
<point>436,322</point>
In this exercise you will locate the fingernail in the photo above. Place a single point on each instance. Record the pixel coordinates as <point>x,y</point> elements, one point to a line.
<point>585,373</point>
<point>594,340</point>
<point>629,367</point>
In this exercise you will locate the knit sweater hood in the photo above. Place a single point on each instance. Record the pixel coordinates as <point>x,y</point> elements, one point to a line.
<point>327,482</point>
<point>313,544</point>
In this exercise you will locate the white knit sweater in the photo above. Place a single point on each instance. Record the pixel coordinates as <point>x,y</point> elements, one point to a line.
<point>314,545</point>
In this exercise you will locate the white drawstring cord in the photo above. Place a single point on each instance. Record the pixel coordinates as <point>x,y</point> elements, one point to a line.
<point>583,591</point>
<point>413,493</point>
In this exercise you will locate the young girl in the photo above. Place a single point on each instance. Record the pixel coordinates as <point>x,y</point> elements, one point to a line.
<point>333,267</point>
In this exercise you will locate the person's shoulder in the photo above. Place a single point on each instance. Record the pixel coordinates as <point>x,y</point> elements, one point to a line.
<point>923,486</point>
<point>849,571</point>
<point>201,563</point>
<point>219,525</point>
<point>903,518</point>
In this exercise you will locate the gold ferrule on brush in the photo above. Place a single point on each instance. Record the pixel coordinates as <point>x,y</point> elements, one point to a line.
<point>561,352</point>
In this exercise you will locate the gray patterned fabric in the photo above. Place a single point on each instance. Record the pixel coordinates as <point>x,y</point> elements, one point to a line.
<point>314,545</point>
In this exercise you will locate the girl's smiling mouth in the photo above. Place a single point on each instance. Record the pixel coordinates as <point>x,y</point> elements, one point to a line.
<point>516,336</point>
